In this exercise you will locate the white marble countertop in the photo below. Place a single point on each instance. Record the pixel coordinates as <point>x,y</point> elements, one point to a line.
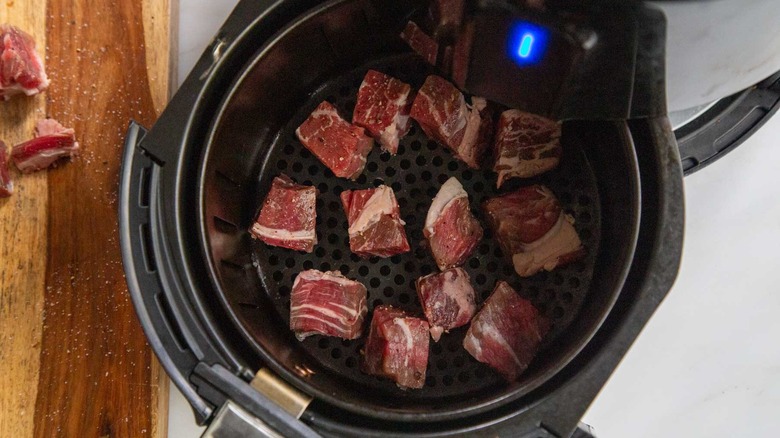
<point>708,362</point>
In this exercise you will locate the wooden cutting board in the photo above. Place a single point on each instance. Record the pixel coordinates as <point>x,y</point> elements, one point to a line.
<point>73,359</point>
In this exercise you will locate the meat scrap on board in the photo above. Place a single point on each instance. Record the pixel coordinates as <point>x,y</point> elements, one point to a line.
<point>21,68</point>
<point>6,183</point>
<point>52,142</point>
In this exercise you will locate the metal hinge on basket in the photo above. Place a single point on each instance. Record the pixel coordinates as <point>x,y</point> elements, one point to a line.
<point>266,407</point>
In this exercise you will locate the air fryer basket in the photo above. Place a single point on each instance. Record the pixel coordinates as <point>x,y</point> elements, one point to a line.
<point>324,56</point>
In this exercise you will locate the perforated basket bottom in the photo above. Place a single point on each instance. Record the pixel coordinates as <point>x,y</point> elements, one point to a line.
<point>415,174</point>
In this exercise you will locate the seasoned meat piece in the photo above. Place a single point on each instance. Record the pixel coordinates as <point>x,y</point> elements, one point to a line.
<point>21,69</point>
<point>478,135</point>
<point>526,145</point>
<point>506,332</point>
<point>52,142</point>
<point>451,229</point>
<point>327,303</point>
<point>6,184</point>
<point>420,42</point>
<point>288,216</point>
<point>375,225</point>
<point>383,106</point>
<point>447,16</point>
<point>397,347</point>
<point>444,116</point>
<point>441,111</point>
<point>533,230</point>
<point>341,146</point>
<point>447,299</point>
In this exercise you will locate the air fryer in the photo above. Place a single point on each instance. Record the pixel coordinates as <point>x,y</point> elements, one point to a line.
<point>215,304</point>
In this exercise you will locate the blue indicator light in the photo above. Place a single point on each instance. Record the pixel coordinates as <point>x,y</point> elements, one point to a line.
<point>527,43</point>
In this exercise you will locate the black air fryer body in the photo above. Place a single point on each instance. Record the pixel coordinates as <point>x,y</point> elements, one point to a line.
<point>212,302</point>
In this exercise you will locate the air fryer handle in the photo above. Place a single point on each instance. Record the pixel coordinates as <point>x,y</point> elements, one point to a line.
<point>138,177</point>
<point>144,273</point>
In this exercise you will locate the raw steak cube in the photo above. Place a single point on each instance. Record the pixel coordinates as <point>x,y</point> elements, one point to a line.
<point>478,135</point>
<point>383,106</point>
<point>447,299</point>
<point>52,142</point>
<point>6,184</point>
<point>397,347</point>
<point>447,15</point>
<point>526,145</point>
<point>375,225</point>
<point>288,216</point>
<point>444,116</point>
<point>506,332</point>
<point>441,111</point>
<point>420,42</point>
<point>21,69</point>
<point>341,146</point>
<point>327,303</point>
<point>451,229</point>
<point>533,230</point>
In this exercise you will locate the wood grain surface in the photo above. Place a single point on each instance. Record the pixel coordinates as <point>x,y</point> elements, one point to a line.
<point>23,222</point>
<point>74,360</point>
